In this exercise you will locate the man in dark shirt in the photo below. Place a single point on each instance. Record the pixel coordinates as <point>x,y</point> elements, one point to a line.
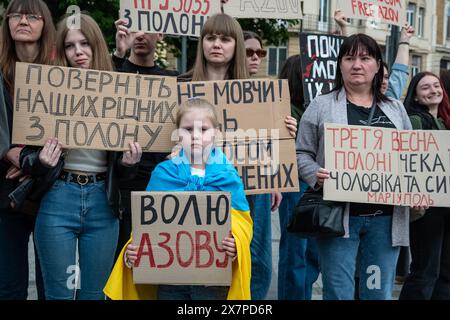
<point>141,60</point>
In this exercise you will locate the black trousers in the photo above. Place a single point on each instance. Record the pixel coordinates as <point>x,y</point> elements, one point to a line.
<point>15,230</point>
<point>429,277</point>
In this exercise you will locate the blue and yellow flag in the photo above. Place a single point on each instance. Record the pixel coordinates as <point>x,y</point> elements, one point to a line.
<point>175,175</point>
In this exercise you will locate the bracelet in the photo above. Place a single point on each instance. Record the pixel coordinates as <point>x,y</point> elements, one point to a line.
<point>403,42</point>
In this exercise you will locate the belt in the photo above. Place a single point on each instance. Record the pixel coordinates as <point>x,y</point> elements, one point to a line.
<point>82,179</point>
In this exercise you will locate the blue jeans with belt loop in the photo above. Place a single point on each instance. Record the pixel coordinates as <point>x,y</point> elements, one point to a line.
<point>298,265</point>
<point>371,235</point>
<point>69,214</point>
<point>261,247</point>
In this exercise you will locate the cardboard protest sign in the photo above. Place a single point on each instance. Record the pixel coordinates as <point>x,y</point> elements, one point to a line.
<point>178,17</point>
<point>318,55</point>
<point>180,235</point>
<point>253,132</point>
<point>387,166</point>
<point>93,109</point>
<point>379,11</point>
<point>268,9</point>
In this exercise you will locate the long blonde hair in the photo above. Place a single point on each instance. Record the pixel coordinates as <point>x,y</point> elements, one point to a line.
<point>101,59</point>
<point>46,42</point>
<point>224,25</point>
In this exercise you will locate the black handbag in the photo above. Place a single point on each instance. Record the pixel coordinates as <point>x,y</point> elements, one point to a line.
<point>317,218</point>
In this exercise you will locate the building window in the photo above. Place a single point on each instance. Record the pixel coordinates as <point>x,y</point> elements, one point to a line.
<point>420,19</point>
<point>448,23</point>
<point>324,15</point>
<point>276,59</point>
<point>411,14</point>
<point>416,65</point>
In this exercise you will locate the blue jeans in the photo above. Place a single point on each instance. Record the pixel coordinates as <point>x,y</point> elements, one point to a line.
<point>378,258</point>
<point>15,230</point>
<point>72,214</point>
<point>298,265</point>
<point>261,247</point>
<point>171,292</point>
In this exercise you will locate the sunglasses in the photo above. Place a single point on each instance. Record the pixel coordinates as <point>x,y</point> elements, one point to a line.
<point>260,52</point>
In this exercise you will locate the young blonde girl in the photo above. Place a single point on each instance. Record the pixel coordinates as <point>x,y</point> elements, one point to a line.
<point>199,167</point>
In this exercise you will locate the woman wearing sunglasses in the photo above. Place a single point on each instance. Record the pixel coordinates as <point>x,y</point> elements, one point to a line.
<point>254,51</point>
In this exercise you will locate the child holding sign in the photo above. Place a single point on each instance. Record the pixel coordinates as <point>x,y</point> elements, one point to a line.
<point>199,167</point>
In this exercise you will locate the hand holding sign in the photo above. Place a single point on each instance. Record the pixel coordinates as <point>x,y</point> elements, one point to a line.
<point>124,38</point>
<point>50,153</point>
<point>229,245</point>
<point>130,255</point>
<point>291,125</point>
<point>132,156</point>
<point>321,175</point>
<point>406,33</point>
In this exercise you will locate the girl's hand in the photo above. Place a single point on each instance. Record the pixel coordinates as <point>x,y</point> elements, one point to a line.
<point>130,255</point>
<point>406,33</point>
<point>291,125</point>
<point>132,156</point>
<point>14,172</point>
<point>340,18</point>
<point>50,153</point>
<point>229,245</point>
<point>276,198</point>
<point>321,175</point>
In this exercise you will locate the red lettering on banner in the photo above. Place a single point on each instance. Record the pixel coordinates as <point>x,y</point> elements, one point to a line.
<point>198,244</point>
<point>413,141</point>
<point>145,244</point>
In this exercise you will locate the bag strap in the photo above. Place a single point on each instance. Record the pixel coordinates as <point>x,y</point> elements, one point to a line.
<point>372,111</point>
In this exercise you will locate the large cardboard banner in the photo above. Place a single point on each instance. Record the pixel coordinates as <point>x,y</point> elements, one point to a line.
<point>253,132</point>
<point>178,17</point>
<point>179,235</point>
<point>379,11</point>
<point>318,54</point>
<point>93,109</point>
<point>268,9</point>
<point>387,166</point>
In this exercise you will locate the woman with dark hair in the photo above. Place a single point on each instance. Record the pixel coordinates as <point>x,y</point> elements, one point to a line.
<point>376,231</point>
<point>27,35</point>
<point>429,109</point>
<point>298,266</point>
<point>254,51</point>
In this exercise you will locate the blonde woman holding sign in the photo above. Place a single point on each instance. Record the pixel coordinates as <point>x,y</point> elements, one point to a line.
<point>77,210</point>
<point>221,55</point>
<point>27,35</point>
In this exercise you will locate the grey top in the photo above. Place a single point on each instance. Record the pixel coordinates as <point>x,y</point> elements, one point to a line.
<point>310,148</point>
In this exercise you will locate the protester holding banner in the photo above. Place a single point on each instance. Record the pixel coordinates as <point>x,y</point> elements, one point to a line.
<point>428,107</point>
<point>78,207</point>
<point>221,56</point>
<point>375,230</point>
<point>199,167</point>
<point>298,266</point>
<point>141,60</point>
<point>263,204</point>
<point>28,35</point>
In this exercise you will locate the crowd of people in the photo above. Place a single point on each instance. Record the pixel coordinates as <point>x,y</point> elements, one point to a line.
<point>84,213</point>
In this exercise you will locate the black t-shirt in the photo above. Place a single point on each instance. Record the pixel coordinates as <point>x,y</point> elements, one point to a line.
<point>149,160</point>
<point>358,115</point>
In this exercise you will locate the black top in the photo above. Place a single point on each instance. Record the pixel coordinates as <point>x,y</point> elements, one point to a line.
<point>358,115</point>
<point>124,65</point>
<point>149,160</point>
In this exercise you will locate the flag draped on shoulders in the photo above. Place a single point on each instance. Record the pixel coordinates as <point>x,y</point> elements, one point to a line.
<point>175,175</point>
